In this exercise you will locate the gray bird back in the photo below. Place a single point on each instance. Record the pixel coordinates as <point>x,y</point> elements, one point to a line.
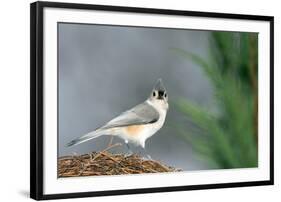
<point>141,114</point>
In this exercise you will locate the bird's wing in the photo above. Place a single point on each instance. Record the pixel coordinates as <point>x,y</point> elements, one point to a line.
<point>141,114</point>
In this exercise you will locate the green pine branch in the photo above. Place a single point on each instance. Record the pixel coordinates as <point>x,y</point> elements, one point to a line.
<point>227,138</point>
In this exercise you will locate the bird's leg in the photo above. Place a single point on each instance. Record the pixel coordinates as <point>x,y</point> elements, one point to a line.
<point>147,156</point>
<point>129,151</point>
<point>110,141</point>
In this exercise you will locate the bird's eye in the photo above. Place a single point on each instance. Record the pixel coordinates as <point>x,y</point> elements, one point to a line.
<point>154,94</point>
<point>165,94</point>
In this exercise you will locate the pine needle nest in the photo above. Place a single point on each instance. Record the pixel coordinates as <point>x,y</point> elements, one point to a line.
<point>106,163</point>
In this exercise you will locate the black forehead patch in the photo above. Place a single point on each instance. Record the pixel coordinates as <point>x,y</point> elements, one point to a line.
<point>161,93</point>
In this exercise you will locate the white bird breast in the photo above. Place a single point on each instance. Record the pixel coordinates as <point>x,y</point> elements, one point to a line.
<point>151,129</point>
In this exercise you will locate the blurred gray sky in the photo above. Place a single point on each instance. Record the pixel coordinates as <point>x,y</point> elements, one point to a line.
<point>105,70</point>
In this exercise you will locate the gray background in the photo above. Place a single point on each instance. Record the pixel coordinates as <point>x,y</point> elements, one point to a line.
<point>105,70</point>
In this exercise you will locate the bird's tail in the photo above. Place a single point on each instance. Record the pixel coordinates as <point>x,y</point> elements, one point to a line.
<point>84,138</point>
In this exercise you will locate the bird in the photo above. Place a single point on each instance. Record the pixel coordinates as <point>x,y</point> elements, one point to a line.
<point>137,124</point>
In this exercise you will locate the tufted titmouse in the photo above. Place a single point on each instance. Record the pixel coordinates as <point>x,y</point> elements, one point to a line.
<point>136,124</point>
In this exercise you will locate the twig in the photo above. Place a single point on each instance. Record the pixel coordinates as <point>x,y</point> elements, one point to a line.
<point>106,149</point>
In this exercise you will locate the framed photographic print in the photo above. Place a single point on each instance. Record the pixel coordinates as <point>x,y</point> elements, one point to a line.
<point>136,100</point>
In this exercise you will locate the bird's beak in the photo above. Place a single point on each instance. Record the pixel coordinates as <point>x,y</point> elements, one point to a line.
<point>161,95</point>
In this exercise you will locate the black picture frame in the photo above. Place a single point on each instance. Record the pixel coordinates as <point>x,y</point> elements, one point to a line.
<point>36,98</point>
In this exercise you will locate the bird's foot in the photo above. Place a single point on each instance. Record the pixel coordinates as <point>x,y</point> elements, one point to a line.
<point>129,153</point>
<point>147,157</point>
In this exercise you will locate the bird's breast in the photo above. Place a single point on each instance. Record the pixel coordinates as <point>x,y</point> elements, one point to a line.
<point>139,133</point>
